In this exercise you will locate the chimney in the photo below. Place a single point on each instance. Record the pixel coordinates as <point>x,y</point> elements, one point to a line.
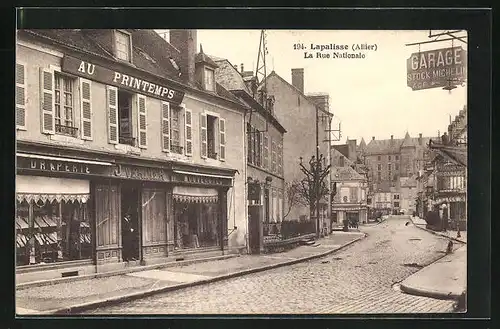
<point>420,139</point>
<point>351,150</point>
<point>242,68</point>
<point>392,137</point>
<point>185,42</point>
<point>298,79</point>
<point>373,138</point>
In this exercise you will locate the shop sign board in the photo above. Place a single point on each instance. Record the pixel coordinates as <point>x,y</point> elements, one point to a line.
<point>91,71</point>
<point>141,173</point>
<point>436,68</point>
<point>59,166</point>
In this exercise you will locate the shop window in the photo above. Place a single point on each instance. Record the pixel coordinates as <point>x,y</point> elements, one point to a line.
<point>123,46</point>
<point>52,231</point>
<point>196,225</point>
<point>209,79</point>
<point>64,105</point>
<point>175,130</point>
<point>125,118</point>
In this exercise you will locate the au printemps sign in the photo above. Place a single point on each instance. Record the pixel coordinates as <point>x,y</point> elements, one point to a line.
<point>436,68</point>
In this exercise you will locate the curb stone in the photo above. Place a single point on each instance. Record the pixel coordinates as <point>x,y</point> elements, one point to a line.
<point>131,296</point>
<point>100,275</point>
<point>437,233</point>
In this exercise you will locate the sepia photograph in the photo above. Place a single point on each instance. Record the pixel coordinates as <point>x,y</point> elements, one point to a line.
<point>240,171</point>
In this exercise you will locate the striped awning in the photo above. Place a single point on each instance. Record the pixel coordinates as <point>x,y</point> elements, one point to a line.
<point>46,238</point>
<point>35,197</point>
<point>85,238</point>
<point>21,240</point>
<point>191,194</point>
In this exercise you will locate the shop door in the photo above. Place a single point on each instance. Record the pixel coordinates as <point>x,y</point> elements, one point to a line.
<point>255,217</point>
<point>130,222</point>
<point>107,221</point>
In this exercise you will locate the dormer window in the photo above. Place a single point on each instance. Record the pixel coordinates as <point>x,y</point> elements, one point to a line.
<point>123,45</point>
<point>209,79</point>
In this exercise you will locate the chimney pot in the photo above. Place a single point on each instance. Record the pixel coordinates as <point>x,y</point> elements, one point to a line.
<point>298,79</point>
<point>373,138</point>
<point>242,68</point>
<point>392,136</point>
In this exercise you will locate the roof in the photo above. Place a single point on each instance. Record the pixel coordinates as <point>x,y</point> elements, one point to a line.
<point>382,146</point>
<point>456,154</point>
<point>342,149</point>
<point>201,57</point>
<point>273,73</point>
<point>345,173</point>
<point>151,53</point>
<point>227,76</point>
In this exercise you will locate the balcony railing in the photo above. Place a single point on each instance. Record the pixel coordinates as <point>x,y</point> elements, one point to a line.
<point>66,130</point>
<point>176,149</point>
<point>127,140</point>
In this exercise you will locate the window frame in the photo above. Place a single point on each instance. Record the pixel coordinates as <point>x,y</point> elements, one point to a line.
<point>180,111</point>
<point>216,131</point>
<point>205,78</point>
<point>62,107</point>
<point>115,43</point>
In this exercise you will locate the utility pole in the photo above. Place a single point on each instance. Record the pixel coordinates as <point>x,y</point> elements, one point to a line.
<point>318,164</point>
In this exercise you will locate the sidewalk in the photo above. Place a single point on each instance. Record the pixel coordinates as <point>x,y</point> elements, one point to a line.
<point>70,297</point>
<point>444,279</point>
<point>451,234</point>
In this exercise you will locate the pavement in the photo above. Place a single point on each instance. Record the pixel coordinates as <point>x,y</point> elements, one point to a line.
<point>444,279</point>
<point>451,234</point>
<point>76,296</point>
<point>360,278</point>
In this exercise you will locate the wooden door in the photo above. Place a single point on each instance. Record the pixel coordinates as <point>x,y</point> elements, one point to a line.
<point>107,222</point>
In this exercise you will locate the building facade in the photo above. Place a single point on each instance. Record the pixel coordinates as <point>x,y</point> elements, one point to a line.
<point>264,148</point>
<point>444,184</point>
<point>128,152</point>
<point>297,112</point>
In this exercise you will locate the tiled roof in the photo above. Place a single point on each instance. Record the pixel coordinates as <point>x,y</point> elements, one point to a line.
<point>227,76</point>
<point>345,173</point>
<point>151,53</point>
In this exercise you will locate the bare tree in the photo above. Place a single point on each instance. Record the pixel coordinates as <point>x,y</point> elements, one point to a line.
<point>293,196</point>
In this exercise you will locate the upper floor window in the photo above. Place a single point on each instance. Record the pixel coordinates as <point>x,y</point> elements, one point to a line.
<point>389,158</point>
<point>378,158</point>
<point>213,137</point>
<point>389,167</point>
<point>397,157</point>
<point>125,118</point>
<point>175,130</point>
<point>379,166</point>
<point>123,46</point>
<point>64,105</point>
<point>209,80</point>
<point>396,166</point>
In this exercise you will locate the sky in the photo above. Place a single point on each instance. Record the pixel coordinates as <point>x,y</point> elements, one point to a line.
<point>369,96</point>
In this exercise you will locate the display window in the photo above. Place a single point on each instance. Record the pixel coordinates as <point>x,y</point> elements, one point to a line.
<point>196,225</point>
<point>52,231</point>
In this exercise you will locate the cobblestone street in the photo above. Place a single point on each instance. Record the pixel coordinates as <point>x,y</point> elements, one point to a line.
<point>358,279</point>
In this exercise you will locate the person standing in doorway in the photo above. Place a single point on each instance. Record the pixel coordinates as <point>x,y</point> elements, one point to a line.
<point>127,236</point>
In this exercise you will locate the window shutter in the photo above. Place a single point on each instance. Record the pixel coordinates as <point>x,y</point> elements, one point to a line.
<point>273,155</point>
<point>280,158</point>
<point>261,151</point>
<point>20,96</point>
<point>142,121</point>
<point>47,100</point>
<point>165,126</point>
<point>203,135</point>
<point>189,132</point>
<point>266,151</point>
<point>86,108</point>
<point>112,114</point>
<point>222,139</point>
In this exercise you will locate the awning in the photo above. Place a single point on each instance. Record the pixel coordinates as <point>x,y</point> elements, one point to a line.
<point>39,188</point>
<point>22,223</point>
<point>46,238</point>
<point>195,194</point>
<point>85,238</point>
<point>44,157</point>
<point>21,240</point>
<point>204,175</point>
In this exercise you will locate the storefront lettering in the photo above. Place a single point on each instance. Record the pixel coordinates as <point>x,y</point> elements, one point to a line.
<point>162,90</point>
<point>141,173</point>
<point>59,166</point>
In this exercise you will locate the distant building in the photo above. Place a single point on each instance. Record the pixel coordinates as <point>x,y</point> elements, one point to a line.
<point>350,200</point>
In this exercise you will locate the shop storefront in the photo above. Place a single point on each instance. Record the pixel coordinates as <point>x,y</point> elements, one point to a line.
<point>53,219</point>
